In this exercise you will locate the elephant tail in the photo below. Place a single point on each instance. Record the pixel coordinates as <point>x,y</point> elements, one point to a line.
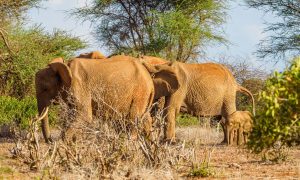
<point>246,91</point>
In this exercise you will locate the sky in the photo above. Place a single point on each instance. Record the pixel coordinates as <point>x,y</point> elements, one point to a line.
<point>244,29</point>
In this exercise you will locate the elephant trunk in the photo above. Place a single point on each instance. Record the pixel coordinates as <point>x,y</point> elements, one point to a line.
<point>45,123</point>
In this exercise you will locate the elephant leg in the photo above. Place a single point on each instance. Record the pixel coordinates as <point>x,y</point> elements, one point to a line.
<point>229,107</point>
<point>240,135</point>
<point>233,137</point>
<point>170,125</point>
<point>147,124</point>
<point>228,134</point>
<point>141,115</point>
<point>172,107</point>
<point>223,125</point>
<point>158,106</point>
<point>84,107</point>
<point>245,136</point>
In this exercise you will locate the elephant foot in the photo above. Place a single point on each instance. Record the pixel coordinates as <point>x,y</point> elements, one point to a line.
<point>49,140</point>
<point>170,141</point>
<point>224,142</point>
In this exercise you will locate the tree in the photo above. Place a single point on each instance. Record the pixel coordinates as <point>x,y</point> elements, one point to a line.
<point>285,36</point>
<point>10,11</point>
<point>16,8</point>
<point>25,50</point>
<point>175,30</point>
<point>31,49</point>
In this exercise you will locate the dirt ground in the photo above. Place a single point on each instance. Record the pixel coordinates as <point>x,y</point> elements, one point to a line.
<point>226,162</point>
<point>232,162</point>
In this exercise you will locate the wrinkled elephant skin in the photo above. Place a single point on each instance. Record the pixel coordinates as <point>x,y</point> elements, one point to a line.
<point>206,89</point>
<point>122,82</point>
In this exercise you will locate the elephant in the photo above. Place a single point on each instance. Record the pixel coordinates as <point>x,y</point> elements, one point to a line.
<point>207,89</point>
<point>92,55</point>
<point>240,122</point>
<point>121,81</point>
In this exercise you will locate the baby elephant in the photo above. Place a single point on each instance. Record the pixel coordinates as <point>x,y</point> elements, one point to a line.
<point>241,123</point>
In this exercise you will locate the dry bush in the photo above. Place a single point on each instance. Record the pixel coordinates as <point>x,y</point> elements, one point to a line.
<point>105,148</point>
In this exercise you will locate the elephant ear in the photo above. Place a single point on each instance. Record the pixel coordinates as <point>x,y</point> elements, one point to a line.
<point>58,66</point>
<point>165,79</point>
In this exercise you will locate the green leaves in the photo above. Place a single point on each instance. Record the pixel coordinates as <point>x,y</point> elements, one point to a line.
<point>175,30</point>
<point>23,51</point>
<point>33,49</point>
<point>278,119</point>
<point>15,111</point>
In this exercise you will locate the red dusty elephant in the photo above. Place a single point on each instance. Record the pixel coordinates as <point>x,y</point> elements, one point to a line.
<point>122,81</point>
<point>206,89</point>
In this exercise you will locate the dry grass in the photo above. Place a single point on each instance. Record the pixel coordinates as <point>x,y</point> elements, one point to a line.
<point>227,162</point>
<point>102,149</point>
<point>107,150</point>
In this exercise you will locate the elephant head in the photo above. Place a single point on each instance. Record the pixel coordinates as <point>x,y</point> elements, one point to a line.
<point>92,55</point>
<point>242,122</point>
<point>49,82</point>
<point>164,77</point>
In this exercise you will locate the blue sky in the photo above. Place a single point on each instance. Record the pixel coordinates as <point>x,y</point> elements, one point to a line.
<point>244,30</point>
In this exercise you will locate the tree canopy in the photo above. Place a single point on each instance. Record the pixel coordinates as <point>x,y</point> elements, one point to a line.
<point>25,50</point>
<point>285,35</point>
<point>11,9</point>
<point>175,30</point>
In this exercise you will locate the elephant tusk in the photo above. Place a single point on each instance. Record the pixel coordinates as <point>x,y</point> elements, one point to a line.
<point>43,115</point>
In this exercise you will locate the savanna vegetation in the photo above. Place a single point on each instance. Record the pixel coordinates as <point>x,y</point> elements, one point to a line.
<point>23,51</point>
<point>174,30</point>
<point>277,124</point>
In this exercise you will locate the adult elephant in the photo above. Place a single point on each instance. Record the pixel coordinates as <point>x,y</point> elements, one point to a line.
<point>122,83</point>
<point>206,89</point>
<point>92,55</point>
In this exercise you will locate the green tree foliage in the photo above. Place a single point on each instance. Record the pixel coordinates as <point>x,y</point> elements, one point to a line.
<point>30,50</point>
<point>285,35</point>
<point>176,30</point>
<point>278,121</point>
<point>23,51</point>
<point>12,12</point>
<point>19,111</point>
<point>14,9</point>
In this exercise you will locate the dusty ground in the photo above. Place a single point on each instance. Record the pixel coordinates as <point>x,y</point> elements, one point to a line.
<point>237,162</point>
<point>226,162</point>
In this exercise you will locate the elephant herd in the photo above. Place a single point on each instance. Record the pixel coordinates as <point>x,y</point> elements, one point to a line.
<point>128,86</point>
